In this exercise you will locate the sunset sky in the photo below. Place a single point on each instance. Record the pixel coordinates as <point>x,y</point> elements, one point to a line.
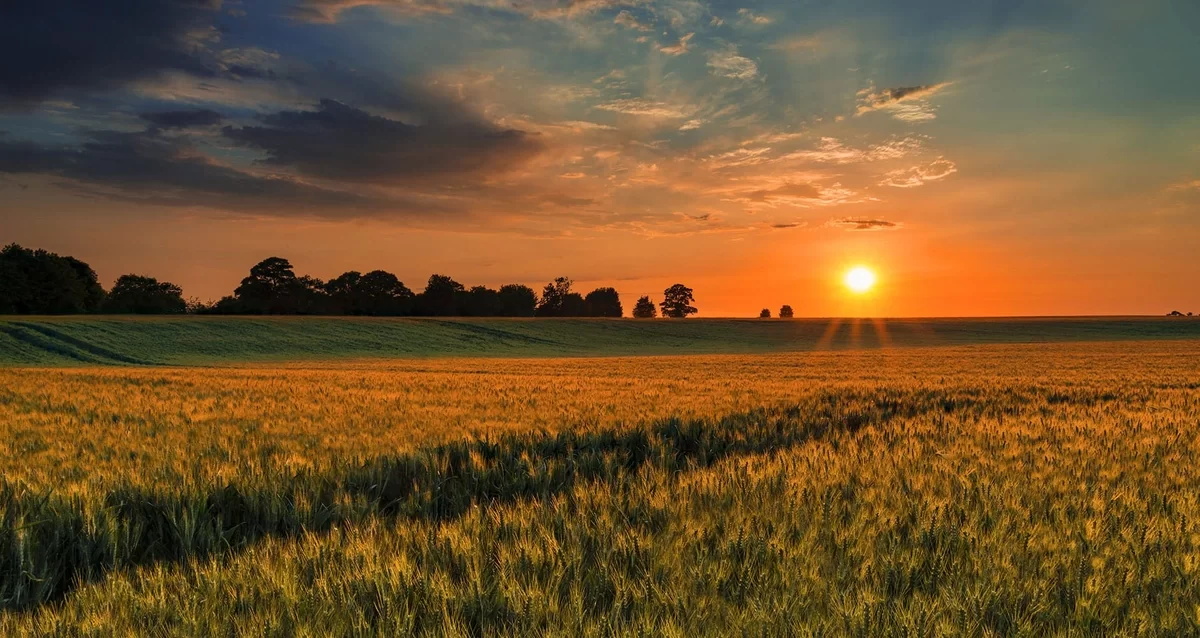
<point>982,157</point>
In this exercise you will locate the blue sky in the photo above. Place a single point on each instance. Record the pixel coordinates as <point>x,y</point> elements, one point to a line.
<point>996,157</point>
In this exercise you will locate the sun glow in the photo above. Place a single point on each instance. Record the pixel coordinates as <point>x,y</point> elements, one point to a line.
<point>860,279</point>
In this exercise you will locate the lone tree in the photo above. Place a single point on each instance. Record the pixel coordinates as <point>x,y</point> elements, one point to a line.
<point>603,302</point>
<point>134,294</point>
<point>644,309</point>
<point>677,302</point>
<point>785,312</point>
<point>764,314</point>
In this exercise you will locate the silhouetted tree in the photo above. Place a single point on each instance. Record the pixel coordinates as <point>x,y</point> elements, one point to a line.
<point>227,305</point>
<point>311,298</point>
<point>93,293</point>
<point>378,293</point>
<point>785,312</point>
<point>272,288</point>
<point>345,293</point>
<point>517,301</point>
<point>442,297</point>
<point>574,306</point>
<point>482,301</point>
<point>644,309</point>
<point>764,314</point>
<point>554,298</point>
<point>603,302</point>
<point>196,306</point>
<point>41,282</point>
<point>135,294</point>
<point>677,302</point>
<point>269,289</point>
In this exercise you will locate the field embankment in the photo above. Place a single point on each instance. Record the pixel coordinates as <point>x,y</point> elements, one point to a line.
<point>214,340</point>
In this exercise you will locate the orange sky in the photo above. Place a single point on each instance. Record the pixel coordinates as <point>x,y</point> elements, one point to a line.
<point>984,158</point>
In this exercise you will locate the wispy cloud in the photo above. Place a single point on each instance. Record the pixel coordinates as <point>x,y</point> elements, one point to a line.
<point>678,48</point>
<point>905,103</point>
<point>918,175</point>
<point>860,224</point>
<point>796,194</point>
<point>629,21</point>
<point>753,18</point>
<point>1183,187</point>
<point>643,107</point>
<point>727,63</point>
<point>832,151</point>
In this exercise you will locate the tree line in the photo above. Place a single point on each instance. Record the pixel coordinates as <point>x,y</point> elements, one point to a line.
<point>41,282</point>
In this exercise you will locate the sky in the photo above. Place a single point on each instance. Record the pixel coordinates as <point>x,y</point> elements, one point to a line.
<point>983,157</point>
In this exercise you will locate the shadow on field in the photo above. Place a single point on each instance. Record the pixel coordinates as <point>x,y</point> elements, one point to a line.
<point>49,544</point>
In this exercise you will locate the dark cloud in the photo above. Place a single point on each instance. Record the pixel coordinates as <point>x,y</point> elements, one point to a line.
<point>329,10</point>
<point>864,224</point>
<point>183,119</point>
<point>343,143</point>
<point>47,46</point>
<point>150,167</point>
<point>788,225</point>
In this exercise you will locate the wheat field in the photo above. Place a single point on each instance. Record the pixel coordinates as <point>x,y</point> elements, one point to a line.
<point>986,490</point>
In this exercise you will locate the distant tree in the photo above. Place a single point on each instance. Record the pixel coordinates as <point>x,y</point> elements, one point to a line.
<point>554,298</point>
<point>41,282</point>
<point>310,297</point>
<point>345,293</point>
<point>135,294</point>
<point>1174,313</point>
<point>644,309</point>
<point>378,294</point>
<point>677,302</point>
<point>785,312</point>
<point>482,301</point>
<point>442,297</point>
<point>197,306</point>
<point>764,314</point>
<point>603,302</point>
<point>573,305</point>
<point>270,288</point>
<point>517,301</point>
<point>227,305</point>
<point>93,293</point>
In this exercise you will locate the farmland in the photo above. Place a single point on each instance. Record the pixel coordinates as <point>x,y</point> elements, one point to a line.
<point>788,486</point>
<point>130,340</point>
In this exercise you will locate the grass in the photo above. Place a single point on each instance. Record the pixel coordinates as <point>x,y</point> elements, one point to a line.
<point>984,490</point>
<point>42,341</point>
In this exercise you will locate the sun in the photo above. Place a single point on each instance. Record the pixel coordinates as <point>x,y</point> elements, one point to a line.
<point>860,279</point>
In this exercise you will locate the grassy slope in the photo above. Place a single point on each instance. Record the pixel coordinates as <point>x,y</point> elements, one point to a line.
<point>208,340</point>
